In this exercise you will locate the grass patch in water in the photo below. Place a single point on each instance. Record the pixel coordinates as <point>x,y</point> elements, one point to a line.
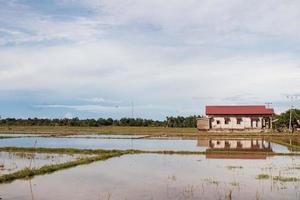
<point>278,178</point>
<point>60,150</point>
<point>7,137</point>
<point>28,173</point>
<point>263,176</point>
<point>286,179</point>
<point>234,167</point>
<point>212,181</point>
<point>132,151</point>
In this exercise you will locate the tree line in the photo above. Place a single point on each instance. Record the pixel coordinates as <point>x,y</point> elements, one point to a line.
<point>178,121</point>
<point>283,120</point>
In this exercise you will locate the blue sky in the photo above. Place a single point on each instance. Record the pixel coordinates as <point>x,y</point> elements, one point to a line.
<point>93,58</point>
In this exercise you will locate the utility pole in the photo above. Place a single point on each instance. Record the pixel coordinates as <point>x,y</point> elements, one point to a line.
<point>271,118</point>
<point>292,100</point>
<point>290,121</point>
<point>132,110</point>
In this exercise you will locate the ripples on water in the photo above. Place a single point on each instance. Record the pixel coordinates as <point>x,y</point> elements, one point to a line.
<point>154,176</point>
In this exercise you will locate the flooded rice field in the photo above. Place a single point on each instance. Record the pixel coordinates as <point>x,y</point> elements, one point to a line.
<point>227,168</point>
<point>13,161</point>
<point>106,136</point>
<point>103,143</point>
<point>141,143</point>
<point>156,176</point>
<point>19,135</point>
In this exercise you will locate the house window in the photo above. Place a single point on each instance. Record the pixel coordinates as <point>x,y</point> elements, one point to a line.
<point>218,122</point>
<point>227,120</point>
<point>254,122</point>
<point>239,120</point>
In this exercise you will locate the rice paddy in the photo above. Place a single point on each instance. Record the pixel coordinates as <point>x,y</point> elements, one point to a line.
<point>106,167</point>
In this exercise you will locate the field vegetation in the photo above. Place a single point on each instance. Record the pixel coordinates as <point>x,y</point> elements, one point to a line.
<point>120,130</point>
<point>277,178</point>
<point>99,154</point>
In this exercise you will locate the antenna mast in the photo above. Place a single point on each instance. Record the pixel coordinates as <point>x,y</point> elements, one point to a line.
<point>268,104</point>
<point>292,99</point>
<point>132,110</point>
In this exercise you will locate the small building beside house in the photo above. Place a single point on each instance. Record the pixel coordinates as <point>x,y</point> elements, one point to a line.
<point>253,118</point>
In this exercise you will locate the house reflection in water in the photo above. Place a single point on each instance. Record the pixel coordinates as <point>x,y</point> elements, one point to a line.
<point>239,145</point>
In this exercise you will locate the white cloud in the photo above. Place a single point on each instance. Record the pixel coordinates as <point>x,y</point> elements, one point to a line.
<point>175,55</point>
<point>102,100</point>
<point>124,71</point>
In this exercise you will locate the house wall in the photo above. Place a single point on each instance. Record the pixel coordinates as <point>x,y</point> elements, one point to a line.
<point>203,124</point>
<point>245,123</point>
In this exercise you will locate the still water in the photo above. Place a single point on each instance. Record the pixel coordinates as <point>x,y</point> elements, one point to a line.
<point>175,144</point>
<point>14,161</point>
<point>19,135</point>
<point>102,143</point>
<point>106,136</point>
<point>154,176</point>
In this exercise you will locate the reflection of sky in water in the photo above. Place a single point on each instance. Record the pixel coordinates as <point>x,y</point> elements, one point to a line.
<point>106,143</point>
<point>86,143</point>
<point>107,136</point>
<point>154,176</point>
<point>15,161</point>
<point>279,148</point>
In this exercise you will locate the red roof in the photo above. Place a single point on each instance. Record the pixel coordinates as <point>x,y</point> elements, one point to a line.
<point>239,110</point>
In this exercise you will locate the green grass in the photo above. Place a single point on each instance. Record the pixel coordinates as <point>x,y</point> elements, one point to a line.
<point>234,167</point>
<point>212,181</point>
<point>153,131</point>
<point>6,137</point>
<point>263,176</point>
<point>278,178</point>
<point>64,130</point>
<point>286,179</point>
<point>57,150</point>
<point>133,151</point>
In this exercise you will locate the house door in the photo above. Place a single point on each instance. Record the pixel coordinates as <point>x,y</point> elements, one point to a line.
<point>253,124</point>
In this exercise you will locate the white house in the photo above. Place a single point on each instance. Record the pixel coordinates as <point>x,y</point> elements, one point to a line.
<point>256,117</point>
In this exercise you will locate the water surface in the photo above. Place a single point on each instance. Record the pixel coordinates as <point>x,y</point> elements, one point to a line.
<point>175,144</point>
<point>154,176</point>
<point>97,143</point>
<point>14,161</point>
<point>107,136</point>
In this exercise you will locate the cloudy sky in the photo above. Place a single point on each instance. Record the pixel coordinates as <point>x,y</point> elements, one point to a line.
<point>95,58</point>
